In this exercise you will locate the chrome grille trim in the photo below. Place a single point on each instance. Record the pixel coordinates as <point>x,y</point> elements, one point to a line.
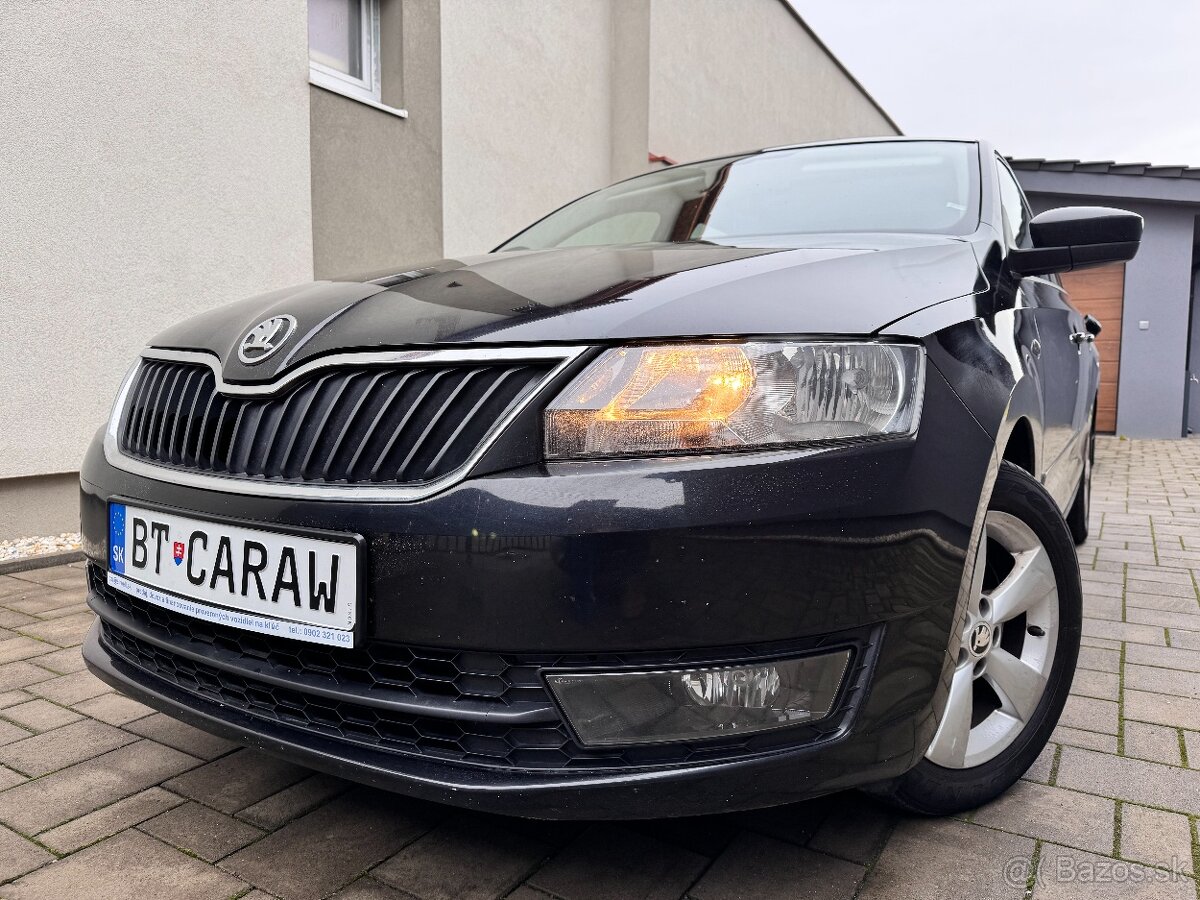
<point>145,430</point>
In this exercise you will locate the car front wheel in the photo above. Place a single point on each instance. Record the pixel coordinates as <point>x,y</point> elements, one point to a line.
<point>1019,645</point>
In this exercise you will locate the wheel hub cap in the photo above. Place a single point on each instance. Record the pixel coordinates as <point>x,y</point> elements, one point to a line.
<point>981,639</point>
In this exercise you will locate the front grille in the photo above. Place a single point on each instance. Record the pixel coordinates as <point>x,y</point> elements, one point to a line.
<point>398,425</point>
<point>344,693</point>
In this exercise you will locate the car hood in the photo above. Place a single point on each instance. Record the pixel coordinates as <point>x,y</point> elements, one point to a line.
<point>837,286</point>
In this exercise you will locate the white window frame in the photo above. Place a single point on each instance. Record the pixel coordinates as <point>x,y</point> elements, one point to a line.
<point>368,88</point>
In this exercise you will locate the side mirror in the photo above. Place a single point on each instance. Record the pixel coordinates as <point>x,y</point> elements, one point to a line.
<point>1077,237</point>
<point>1092,324</point>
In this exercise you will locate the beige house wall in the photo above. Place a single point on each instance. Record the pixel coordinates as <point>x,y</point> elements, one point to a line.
<point>376,178</point>
<point>734,75</point>
<point>39,505</point>
<point>155,164</point>
<point>525,112</point>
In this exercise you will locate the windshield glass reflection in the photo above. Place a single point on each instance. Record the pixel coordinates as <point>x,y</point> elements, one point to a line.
<point>924,187</point>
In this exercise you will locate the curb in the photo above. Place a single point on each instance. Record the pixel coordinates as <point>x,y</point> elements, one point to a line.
<point>45,561</point>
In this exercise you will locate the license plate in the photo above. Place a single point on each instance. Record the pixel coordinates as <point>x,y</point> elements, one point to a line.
<point>293,586</point>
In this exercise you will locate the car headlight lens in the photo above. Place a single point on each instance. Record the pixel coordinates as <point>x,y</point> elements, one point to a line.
<point>694,397</point>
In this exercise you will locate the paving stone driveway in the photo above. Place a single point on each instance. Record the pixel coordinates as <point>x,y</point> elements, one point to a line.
<point>101,797</point>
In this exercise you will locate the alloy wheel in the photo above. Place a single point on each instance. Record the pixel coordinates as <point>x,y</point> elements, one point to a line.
<point>1009,637</point>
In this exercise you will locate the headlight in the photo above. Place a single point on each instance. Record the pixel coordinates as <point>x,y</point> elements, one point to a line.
<point>693,397</point>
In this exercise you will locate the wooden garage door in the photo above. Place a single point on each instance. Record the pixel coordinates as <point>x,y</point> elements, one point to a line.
<point>1100,293</point>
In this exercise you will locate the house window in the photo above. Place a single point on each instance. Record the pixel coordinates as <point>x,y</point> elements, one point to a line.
<point>343,48</point>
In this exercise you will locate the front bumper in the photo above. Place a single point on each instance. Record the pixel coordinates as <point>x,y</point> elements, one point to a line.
<point>634,563</point>
<point>842,761</point>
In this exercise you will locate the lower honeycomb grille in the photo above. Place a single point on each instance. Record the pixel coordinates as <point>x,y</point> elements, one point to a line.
<point>462,696</point>
<point>460,741</point>
<point>485,681</point>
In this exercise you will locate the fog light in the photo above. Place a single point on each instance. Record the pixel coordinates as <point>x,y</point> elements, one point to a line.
<point>692,704</point>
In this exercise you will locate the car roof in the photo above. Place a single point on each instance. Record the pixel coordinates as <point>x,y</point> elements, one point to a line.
<point>984,147</point>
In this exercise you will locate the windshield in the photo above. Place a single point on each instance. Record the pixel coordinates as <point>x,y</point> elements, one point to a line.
<point>928,187</point>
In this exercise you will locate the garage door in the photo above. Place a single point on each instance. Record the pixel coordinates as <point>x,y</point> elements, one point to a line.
<point>1101,293</point>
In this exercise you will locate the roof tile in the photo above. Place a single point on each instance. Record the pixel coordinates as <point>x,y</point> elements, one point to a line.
<point>1105,167</point>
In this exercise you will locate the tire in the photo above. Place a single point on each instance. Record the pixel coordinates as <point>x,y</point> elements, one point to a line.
<point>1077,515</point>
<point>960,773</point>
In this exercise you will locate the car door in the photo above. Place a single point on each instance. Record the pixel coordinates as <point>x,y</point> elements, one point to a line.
<point>1057,356</point>
<point>1066,372</point>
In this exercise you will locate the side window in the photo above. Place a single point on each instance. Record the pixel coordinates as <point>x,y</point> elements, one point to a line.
<point>1012,201</point>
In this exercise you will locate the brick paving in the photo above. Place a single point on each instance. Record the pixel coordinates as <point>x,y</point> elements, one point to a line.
<point>102,797</point>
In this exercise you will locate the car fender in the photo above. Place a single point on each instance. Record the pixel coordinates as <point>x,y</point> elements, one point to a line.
<point>985,359</point>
